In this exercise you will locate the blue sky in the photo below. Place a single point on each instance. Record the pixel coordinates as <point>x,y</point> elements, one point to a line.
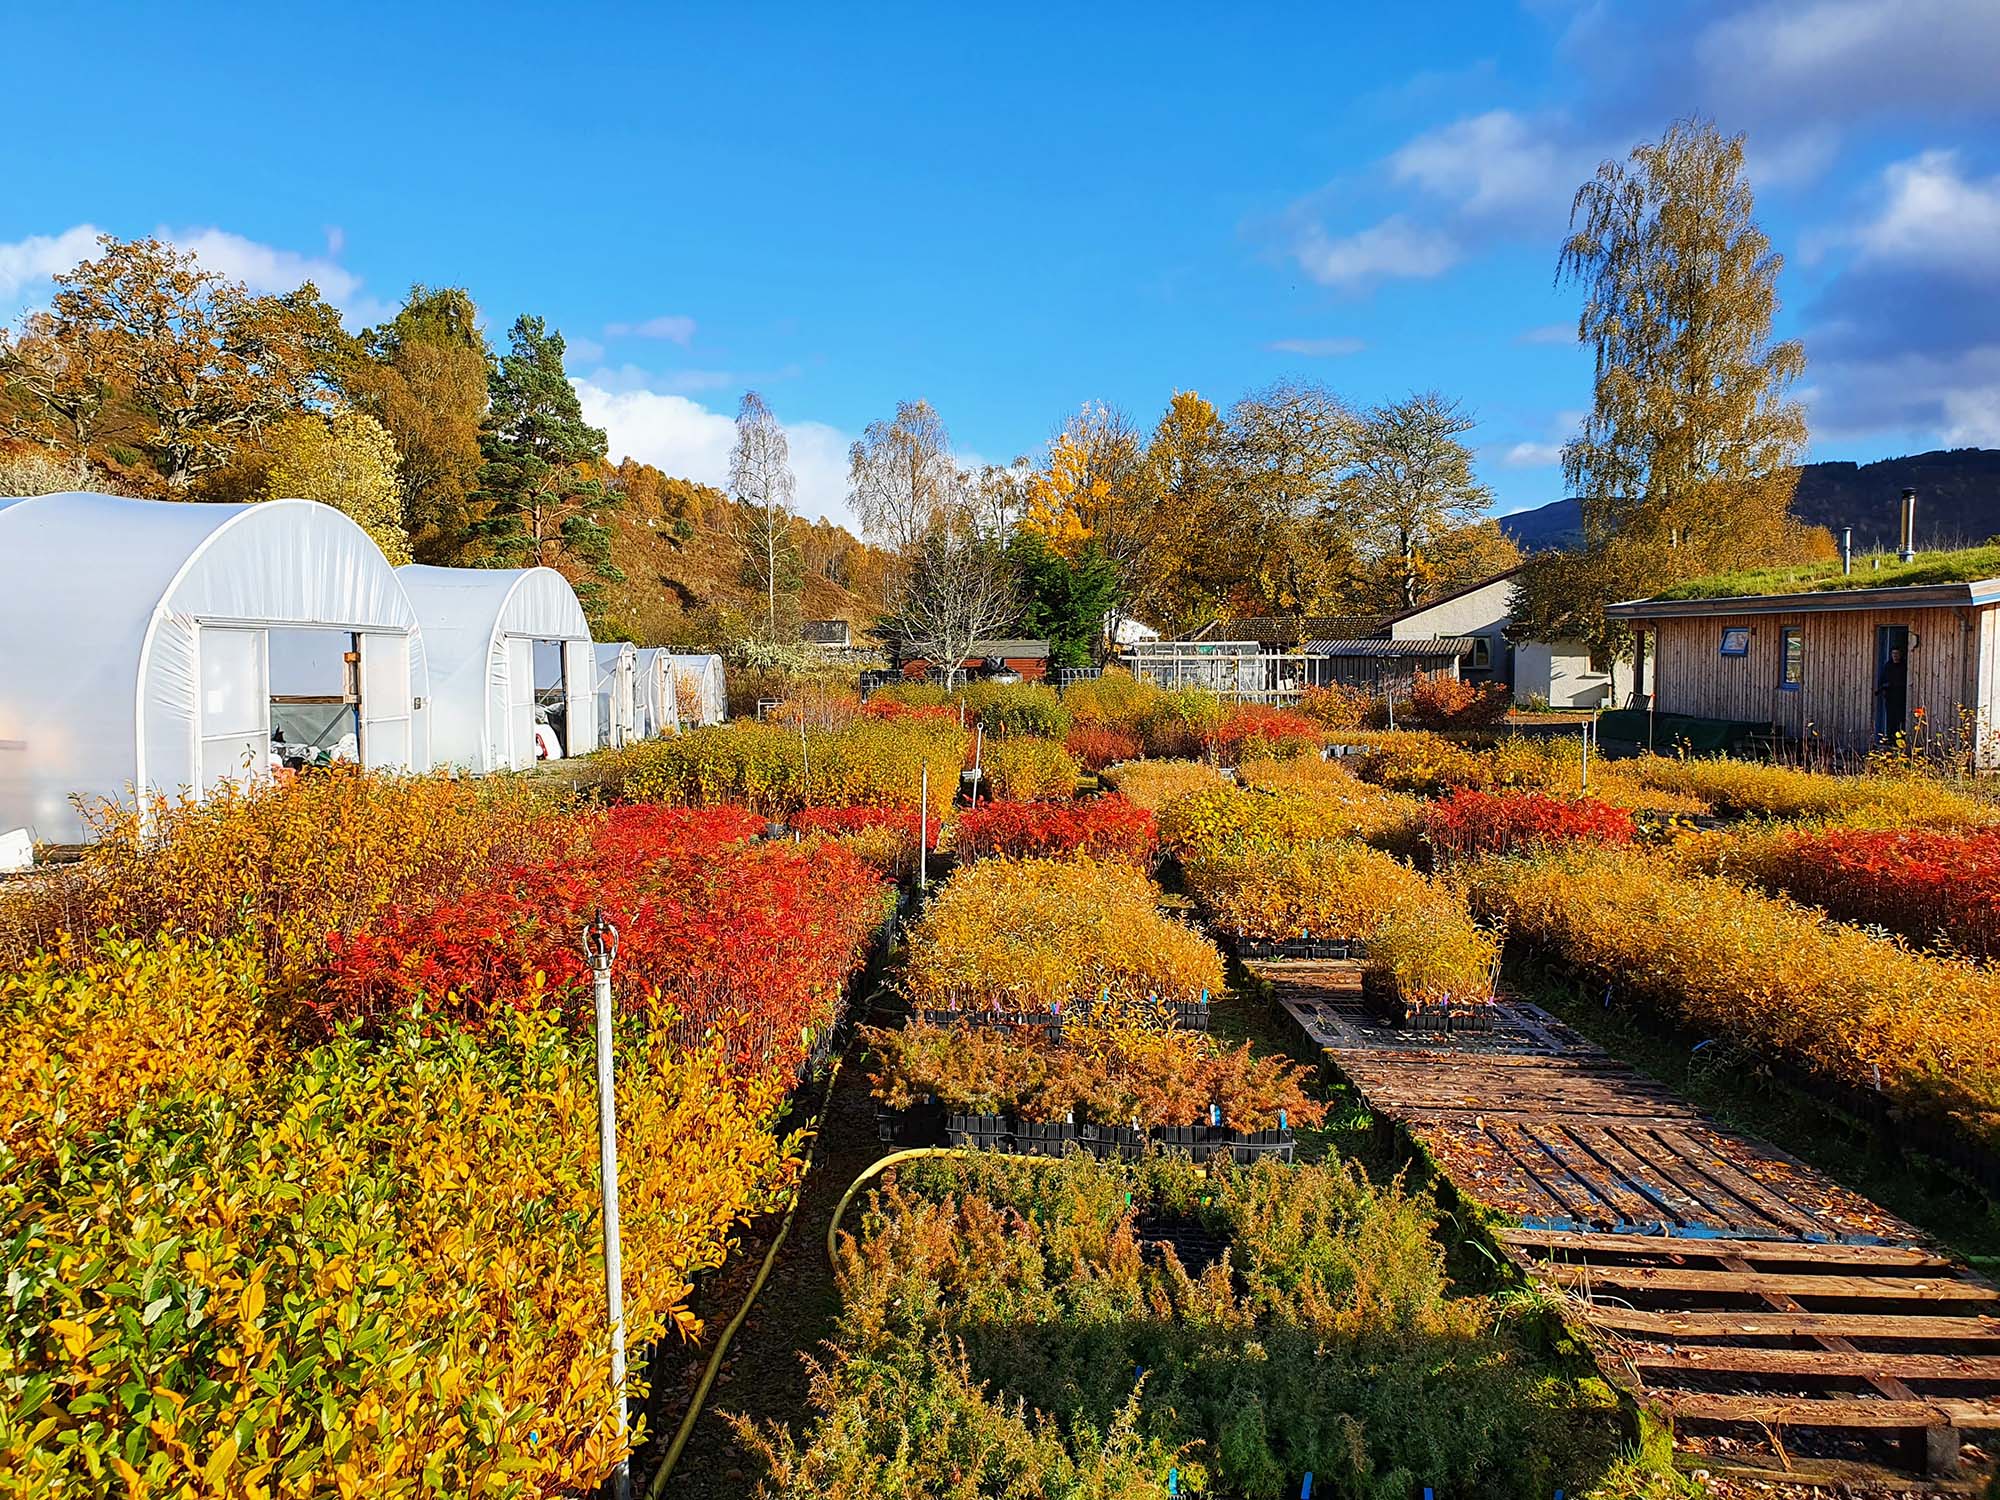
<point>1012,211</point>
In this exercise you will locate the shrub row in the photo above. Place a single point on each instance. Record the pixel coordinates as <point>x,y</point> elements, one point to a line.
<point>1909,799</point>
<point>1104,828</point>
<point>1028,769</point>
<point>1767,972</point>
<point>1469,823</point>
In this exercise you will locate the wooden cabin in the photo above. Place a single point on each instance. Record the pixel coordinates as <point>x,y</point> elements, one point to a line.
<point>1816,667</point>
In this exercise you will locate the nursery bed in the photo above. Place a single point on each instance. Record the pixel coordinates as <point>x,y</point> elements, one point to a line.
<point>934,1125</point>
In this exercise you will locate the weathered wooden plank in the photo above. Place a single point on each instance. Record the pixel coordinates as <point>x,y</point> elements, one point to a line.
<point>1831,1254</point>
<point>1628,1205</point>
<point>1772,1283</point>
<point>1936,1327</point>
<point>1828,1411</point>
<point>1708,1162</point>
<point>1841,1364</point>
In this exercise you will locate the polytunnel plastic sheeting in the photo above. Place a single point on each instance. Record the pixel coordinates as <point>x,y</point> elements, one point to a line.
<point>617,685</point>
<point>657,702</point>
<point>133,651</point>
<point>709,704</point>
<point>480,626</point>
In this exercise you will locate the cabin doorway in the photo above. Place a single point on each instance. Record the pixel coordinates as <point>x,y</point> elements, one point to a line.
<point>1892,682</point>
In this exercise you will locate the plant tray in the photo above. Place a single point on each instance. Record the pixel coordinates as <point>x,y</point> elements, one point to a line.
<point>1309,948</point>
<point>1114,1142</point>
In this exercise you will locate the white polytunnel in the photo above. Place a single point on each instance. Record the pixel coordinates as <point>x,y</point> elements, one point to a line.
<point>617,692</point>
<point>659,709</point>
<point>166,646</point>
<point>512,673</point>
<point>699,685</point>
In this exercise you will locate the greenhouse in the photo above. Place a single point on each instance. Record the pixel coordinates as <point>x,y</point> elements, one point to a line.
<point>513,675</point>
<point>699,686</point>
<point>617,693</point>
<point>659,710</point>
<point>171,646</point>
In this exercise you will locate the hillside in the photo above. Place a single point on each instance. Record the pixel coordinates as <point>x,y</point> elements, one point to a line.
<point>1958,502</point>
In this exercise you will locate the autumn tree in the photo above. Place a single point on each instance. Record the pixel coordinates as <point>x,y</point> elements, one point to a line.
<point>203,365</point>
<point>902,478</point>
<point>1092,494</point>
<point>540,485</point>
<point>347,460</point>
<point>59,388</point>
<point>1201,537</point>
<point>1687,461</point>
<point>762,485</point>
<point>1290,445</point>
<point>426,382</point>
<point>998,495</point>
<point>1409,483</point>
<point>957,589</point>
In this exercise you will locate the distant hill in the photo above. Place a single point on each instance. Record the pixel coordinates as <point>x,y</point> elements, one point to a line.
<point>1958,502</point>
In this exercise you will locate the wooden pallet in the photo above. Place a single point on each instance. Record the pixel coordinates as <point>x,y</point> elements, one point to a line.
<point>1723,1282</point>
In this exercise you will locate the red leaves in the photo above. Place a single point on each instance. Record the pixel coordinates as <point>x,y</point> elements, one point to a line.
<point>1096,746</point>
<point>838,820</point>
<point>1469,822</point>
<point>1258,728</point>
<point>1106,827</point>
<point>751,942</point>
<point>1925,885</point>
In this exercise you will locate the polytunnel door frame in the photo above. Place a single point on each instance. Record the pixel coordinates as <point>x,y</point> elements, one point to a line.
<point>351,701</point>
<point>383,675</point>
<point>221,728</point>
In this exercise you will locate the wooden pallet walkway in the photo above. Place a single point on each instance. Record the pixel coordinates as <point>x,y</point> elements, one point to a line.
<point>1721,1280</point>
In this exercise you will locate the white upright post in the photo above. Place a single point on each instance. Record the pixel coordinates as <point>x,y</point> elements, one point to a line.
<point>1589,731</point>
<point>924,830</point>
<point>600,943</point>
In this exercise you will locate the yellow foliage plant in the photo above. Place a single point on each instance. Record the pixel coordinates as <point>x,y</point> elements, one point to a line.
<point>367,1268</point>
<point>1859,1009</point>
<point>1028,769</point>
<point>1154,783</point>
<point>1909,799</point>
<point>1025,935</point>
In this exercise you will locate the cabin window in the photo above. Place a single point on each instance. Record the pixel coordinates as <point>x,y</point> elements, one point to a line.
<point>1482,653</point>
<point>1735,640</point>
<point>1793,643</point>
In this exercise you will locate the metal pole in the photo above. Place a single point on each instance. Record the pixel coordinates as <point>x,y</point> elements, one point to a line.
<point>978,760</point>
<point>924,830</point>
<point>600,943</point>
<point>1589,733</point>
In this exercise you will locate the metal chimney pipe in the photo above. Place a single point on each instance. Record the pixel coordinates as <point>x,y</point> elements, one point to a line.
<point>1846,550</point>
<point>1907,552</point>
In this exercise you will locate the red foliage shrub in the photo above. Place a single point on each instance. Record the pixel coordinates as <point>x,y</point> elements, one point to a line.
<point>1108,828</point>
<point>901,820</point>
<point>1097,745</point>
<point>1470,822</point>
<point>749,942</point>
<point>1922,884</point>
<point>1440,701</point>
<point>923,713</point>
<point>1258,728</point>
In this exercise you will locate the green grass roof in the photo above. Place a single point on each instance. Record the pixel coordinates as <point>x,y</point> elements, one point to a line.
<point>1966,566</point>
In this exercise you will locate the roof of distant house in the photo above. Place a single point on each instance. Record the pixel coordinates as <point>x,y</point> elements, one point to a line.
<point>1290,629</point>
<point>1470,588</point>
<point>1440,646</point>
<point>1935,579</point>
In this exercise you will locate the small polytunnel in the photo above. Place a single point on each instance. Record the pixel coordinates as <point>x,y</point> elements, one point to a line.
<point>513,674</point>
<point>659,710</point>
<point>170,645</point>
<point>698,682</point>
<point>617,692</point>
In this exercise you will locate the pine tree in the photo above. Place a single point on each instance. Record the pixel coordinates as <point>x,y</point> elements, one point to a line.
<point>540,487</point>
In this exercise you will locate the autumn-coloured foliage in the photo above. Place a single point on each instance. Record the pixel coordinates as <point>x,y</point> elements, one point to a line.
<point>1253,729</point>
<point>363,1266</point>
<point>1104,828</point>
<point>1111,1075</point>
<point>747,943</point>
<point>1028,769</point>
<point>1096,746</point>
<point>872,762</point>
<point>1419,935</point>
<point>1937,888</point>
<point>286,866</point>
<point>1028,935</point>
<point>1154,783</point>
<point>1218,817</point>
<point>1005,709</point>
<point>1114,699</point>
<point>1767,972</point>
<point>1439,700</point>
<point>1467,823</point>
<point>1909,799</point>
<point>1177,723</point>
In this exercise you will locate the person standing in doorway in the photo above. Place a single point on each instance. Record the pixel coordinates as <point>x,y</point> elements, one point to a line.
<point>1892,694</point>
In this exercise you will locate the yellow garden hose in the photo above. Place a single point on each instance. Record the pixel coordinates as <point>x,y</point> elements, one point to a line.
<point>906,1154</point>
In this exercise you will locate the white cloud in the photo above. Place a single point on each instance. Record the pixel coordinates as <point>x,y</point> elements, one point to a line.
<point>1495,163</point>
<point>672,326</point>
<point>1548,333</point>
<point>687,439</point>
<point>1394,247</point>
<point>40,256</point>
<point>1850,57</point>
<point>1532,456</point>
<point>1935,218</point>
<point>1316,348</point>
